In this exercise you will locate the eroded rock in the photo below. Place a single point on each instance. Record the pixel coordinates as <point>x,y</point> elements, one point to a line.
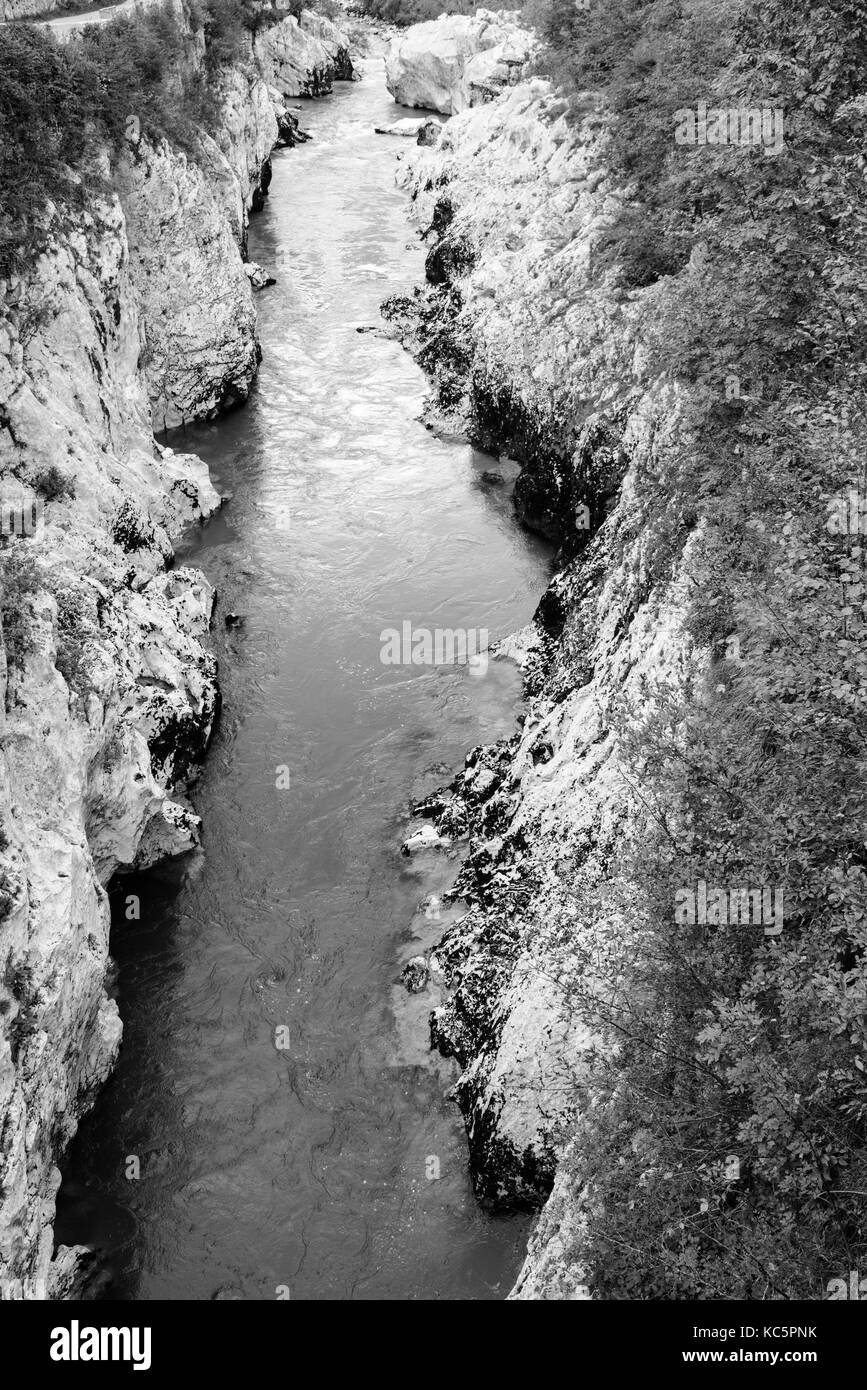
<point>456,61</point>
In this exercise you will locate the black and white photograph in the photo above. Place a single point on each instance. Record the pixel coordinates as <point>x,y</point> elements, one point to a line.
<point>433,670</point>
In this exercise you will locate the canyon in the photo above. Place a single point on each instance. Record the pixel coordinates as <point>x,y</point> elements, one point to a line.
<point>139,316</point>
<point>147,330</point>
<point>391,1023</point>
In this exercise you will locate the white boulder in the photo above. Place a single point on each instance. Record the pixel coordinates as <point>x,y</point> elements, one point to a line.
<point>457,61</point>
<point>409,127</point>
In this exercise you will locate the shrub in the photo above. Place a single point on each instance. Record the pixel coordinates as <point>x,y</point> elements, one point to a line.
<point>405,12</point>
<point>19,581</point>
<point>18,981</point>
<point>54,485</point>
<point>8,894</point>
<point>61,103</point>
<point>76,625</point>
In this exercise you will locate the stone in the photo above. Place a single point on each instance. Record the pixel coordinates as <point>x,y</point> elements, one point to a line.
<point>428,133</point>
<point>407,128</point>
<point>258,276</point>
<point>422,839</point>
<point>457,61</point>
<point>304,56</point>
<point>191,290</point>
<point>415,975</point>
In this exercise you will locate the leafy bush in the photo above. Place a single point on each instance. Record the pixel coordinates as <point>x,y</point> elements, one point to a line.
<point>18,981</point>
<point>77,622</point>
<point>19,581</point>
<point>45,120</point>
<point>8,894</point>
<point>62,103</point>
<point>53,485</point>
<point>405,12</point>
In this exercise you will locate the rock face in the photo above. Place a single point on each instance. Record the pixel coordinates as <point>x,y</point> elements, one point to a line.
<point>200,352</point>
<point>520,330</point>
<point>303,57</point>
<point>139,315</point>
<point>109,694</point>
<point>457,61</point>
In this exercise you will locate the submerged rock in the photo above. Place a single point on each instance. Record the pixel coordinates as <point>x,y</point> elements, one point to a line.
<point>428,133</point>
<point>408,128</point>
<point>415,975</point>
<point>258,276</point>
<point>424,838</point>
<point>289,132</point>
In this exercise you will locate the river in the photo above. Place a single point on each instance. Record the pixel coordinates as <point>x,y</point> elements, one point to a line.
<point>331,1166</point>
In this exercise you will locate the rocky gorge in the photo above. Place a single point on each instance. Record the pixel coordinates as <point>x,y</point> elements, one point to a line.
<point>519,335</point>
<point>661,391</point>
<point>139,315</point>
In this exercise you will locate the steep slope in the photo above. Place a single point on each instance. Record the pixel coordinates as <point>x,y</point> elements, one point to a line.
<point>657,993</point>
<point>138,315</point>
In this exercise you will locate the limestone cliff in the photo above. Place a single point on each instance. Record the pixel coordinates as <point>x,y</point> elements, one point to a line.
<point>139,314</point>
<point>535,357</point>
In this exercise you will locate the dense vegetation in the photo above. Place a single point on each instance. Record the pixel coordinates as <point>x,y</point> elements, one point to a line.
<point>404,12</point>
<point>723,1147</point>
<point>61,103</point>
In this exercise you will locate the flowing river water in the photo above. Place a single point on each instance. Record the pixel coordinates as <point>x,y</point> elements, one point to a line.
<point>311,1167</point>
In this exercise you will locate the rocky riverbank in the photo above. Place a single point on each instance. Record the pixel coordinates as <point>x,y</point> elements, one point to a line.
<point>538,359</point>
<point>140,315</point>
